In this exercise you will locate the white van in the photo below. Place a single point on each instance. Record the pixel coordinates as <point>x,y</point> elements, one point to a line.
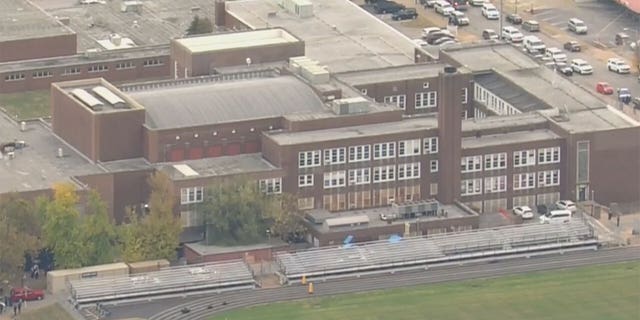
<point>556,217</point>
<point>533,45</point>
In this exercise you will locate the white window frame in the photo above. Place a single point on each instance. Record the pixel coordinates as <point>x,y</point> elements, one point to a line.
<point>191,195</point>
<point>465,95</point>
<point>433,166</point>
<point>359,176</point>
<point>360,153</point>
<point>549,155</point>
<point>71,71</point>
<point>335,179</point>
<point>42,74</point>
<point>548,178</point>
<point>14,77</point>
<point>308,159</point>
<point>408,171</point>
<point>495,161</point>
<point>408,148</point>
<point>427,99</point>
<point>385,150</point>
<point>153,62</point>
<point>97,68</point>
<point>398,100</point>
<point>335,156</point>
<point>305,180</point>
<point>471,187</point>
<point>471,164</point>
<point>430,145</point>
<point>384,174</point>
<point>495,184</point>
<point>125,65</point>
<point>523,181</point>
<point>271,186</point>
<point>524,158</point>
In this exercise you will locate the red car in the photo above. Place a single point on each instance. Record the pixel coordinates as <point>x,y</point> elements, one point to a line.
<point>26,294</point>
<point>604,88</point>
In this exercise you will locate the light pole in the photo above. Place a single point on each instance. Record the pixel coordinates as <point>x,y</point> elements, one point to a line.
<point>516,6</point>
<point>500,16</point>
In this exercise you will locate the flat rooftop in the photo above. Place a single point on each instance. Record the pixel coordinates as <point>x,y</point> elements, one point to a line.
<point>217,167</point>
<point>509,92</point>
<point>37,166</point>
<point>21,20</point>
<point>370,130</point>
<point>340,35</point>
<point>485,57</point>
<point>505,122</point>
<point>391,74</point>
<point>374,217</point>
<point>237,40</point>
<point>508,138</point>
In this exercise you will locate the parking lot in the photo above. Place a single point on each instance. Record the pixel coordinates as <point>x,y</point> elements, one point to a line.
<point>604,20</point>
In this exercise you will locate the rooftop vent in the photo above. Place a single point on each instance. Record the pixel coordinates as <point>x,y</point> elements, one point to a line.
<point>450,69</point>
<point>309,69</point>
<point>301,8</point>
<point>350,106</point>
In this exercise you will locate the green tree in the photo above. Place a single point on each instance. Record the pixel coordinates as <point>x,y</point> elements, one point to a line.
<point>19,234</point>
<point>200,26</point>
<point>157,234</point>
<point>98,232</point>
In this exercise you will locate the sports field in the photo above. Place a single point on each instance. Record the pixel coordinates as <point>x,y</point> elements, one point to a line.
<point>589,293</point>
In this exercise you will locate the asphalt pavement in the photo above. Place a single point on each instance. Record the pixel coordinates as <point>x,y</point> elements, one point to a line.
<point>204,307</point>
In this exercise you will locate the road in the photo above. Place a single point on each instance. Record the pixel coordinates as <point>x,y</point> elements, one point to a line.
<point>597,15</point>
<point>204,307</point>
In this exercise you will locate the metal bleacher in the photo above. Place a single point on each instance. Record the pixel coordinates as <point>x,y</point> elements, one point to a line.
<point>173,280</point>
<point>383,256</point>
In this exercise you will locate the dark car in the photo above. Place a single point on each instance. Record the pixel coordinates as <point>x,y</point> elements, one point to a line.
<point>624,95</point>
<point>382,7</point>
<point>405,14</point>
<point>572,46</point>
<point>561,67</point>
<point>432,37</point>
<point>542,209</point>
<point>459,5</point>
<point>514,18</point>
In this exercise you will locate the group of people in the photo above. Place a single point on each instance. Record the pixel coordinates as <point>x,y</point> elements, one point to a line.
<point>17,307</point>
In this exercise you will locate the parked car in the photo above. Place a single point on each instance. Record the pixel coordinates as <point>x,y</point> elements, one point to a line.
<point>621,39</point>
<point>428,3</point>
<point>566,205</point>
<point>581,66</point>
<point>459,19</point>
<point>572,46</point>
<point>604,88</point>
<point>635,102</point>
<point>512,34</point>
<point>25,294</point>
<point>477,3</point>
<point>489,34</point>
<point>437,35</point>
<point>427,31</point>
<point>523,211</point>
<point>444,8</point>
<point>382,7</point>
<point>458,5</point>
<point>531,26</point>
<point>561,67</point>
<point>490,12</point>
<point>555,55</point>
<point>576,25</point>
<point>618,65</point>
<point>533,45</point>
<point>442,40</point>
<point>405,14</point>
<point>624,95</point>
<point>514,18</point>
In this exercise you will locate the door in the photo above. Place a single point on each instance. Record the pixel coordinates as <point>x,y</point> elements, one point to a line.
<point>583,192</point>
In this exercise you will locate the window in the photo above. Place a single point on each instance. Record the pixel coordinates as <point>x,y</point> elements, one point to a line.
<point>471,164</point>
<point>409,148</point>
<point>306,203</point>
<point>431,145</point>
<point>549,155</point>
<point>524,158</point>
<point>426,99</point>
<point>271,186</point>
<point>524,181</point>
<point>471,187</point>
<point>407,171</point>
<point>152,62</point>
<point>433,166</point>
<point>549,178</point>
<point>42,74</point>
<point>334,156</point>
<point>495,184</point>
<point>495,161</point>
<point>97,68</point>
<point>14,77</point>
<point>384,174</point>
<point>582,169</point>
<point>400,100</point>
<point>71,71</point>
<point>359,176</point>
<point>385,150</point>
<point>125,65</point>
<point>305,180</point>
<point>334,179</point>
<point>360,153</point>
<point>433,189</point>
<point>191,195</point>
<point>309,159</point>
<point>465,95</point>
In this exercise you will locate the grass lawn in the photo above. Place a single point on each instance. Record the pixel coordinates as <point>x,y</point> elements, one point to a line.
<point>52,312</point>
<point>26,105</point>
<point>596,292</point>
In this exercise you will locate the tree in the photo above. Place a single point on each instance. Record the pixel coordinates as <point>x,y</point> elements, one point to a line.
<point>200,26</point>
<point>98,232</point>
<point>19,233</point>
<point>157,234</point>
<point>238,212</point>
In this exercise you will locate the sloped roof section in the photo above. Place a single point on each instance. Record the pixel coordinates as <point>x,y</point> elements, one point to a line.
<point>211,103</point>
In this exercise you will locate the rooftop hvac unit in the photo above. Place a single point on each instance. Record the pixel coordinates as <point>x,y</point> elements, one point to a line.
<point>351,106</point>
<point>300,8</point>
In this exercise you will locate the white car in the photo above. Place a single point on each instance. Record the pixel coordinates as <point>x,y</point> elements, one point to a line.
<point>490,12</point>
<point>555,54</point>
<point>92,2</point>
<point>512,34</point>
<point>444,8</point>
<point>581,66</point>
<point>566,205</point>
<point>618,65</point>
<point>430,30</point>
<point>524,211</point>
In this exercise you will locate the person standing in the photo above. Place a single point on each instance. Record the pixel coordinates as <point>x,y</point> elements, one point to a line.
<point>19,306</point>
